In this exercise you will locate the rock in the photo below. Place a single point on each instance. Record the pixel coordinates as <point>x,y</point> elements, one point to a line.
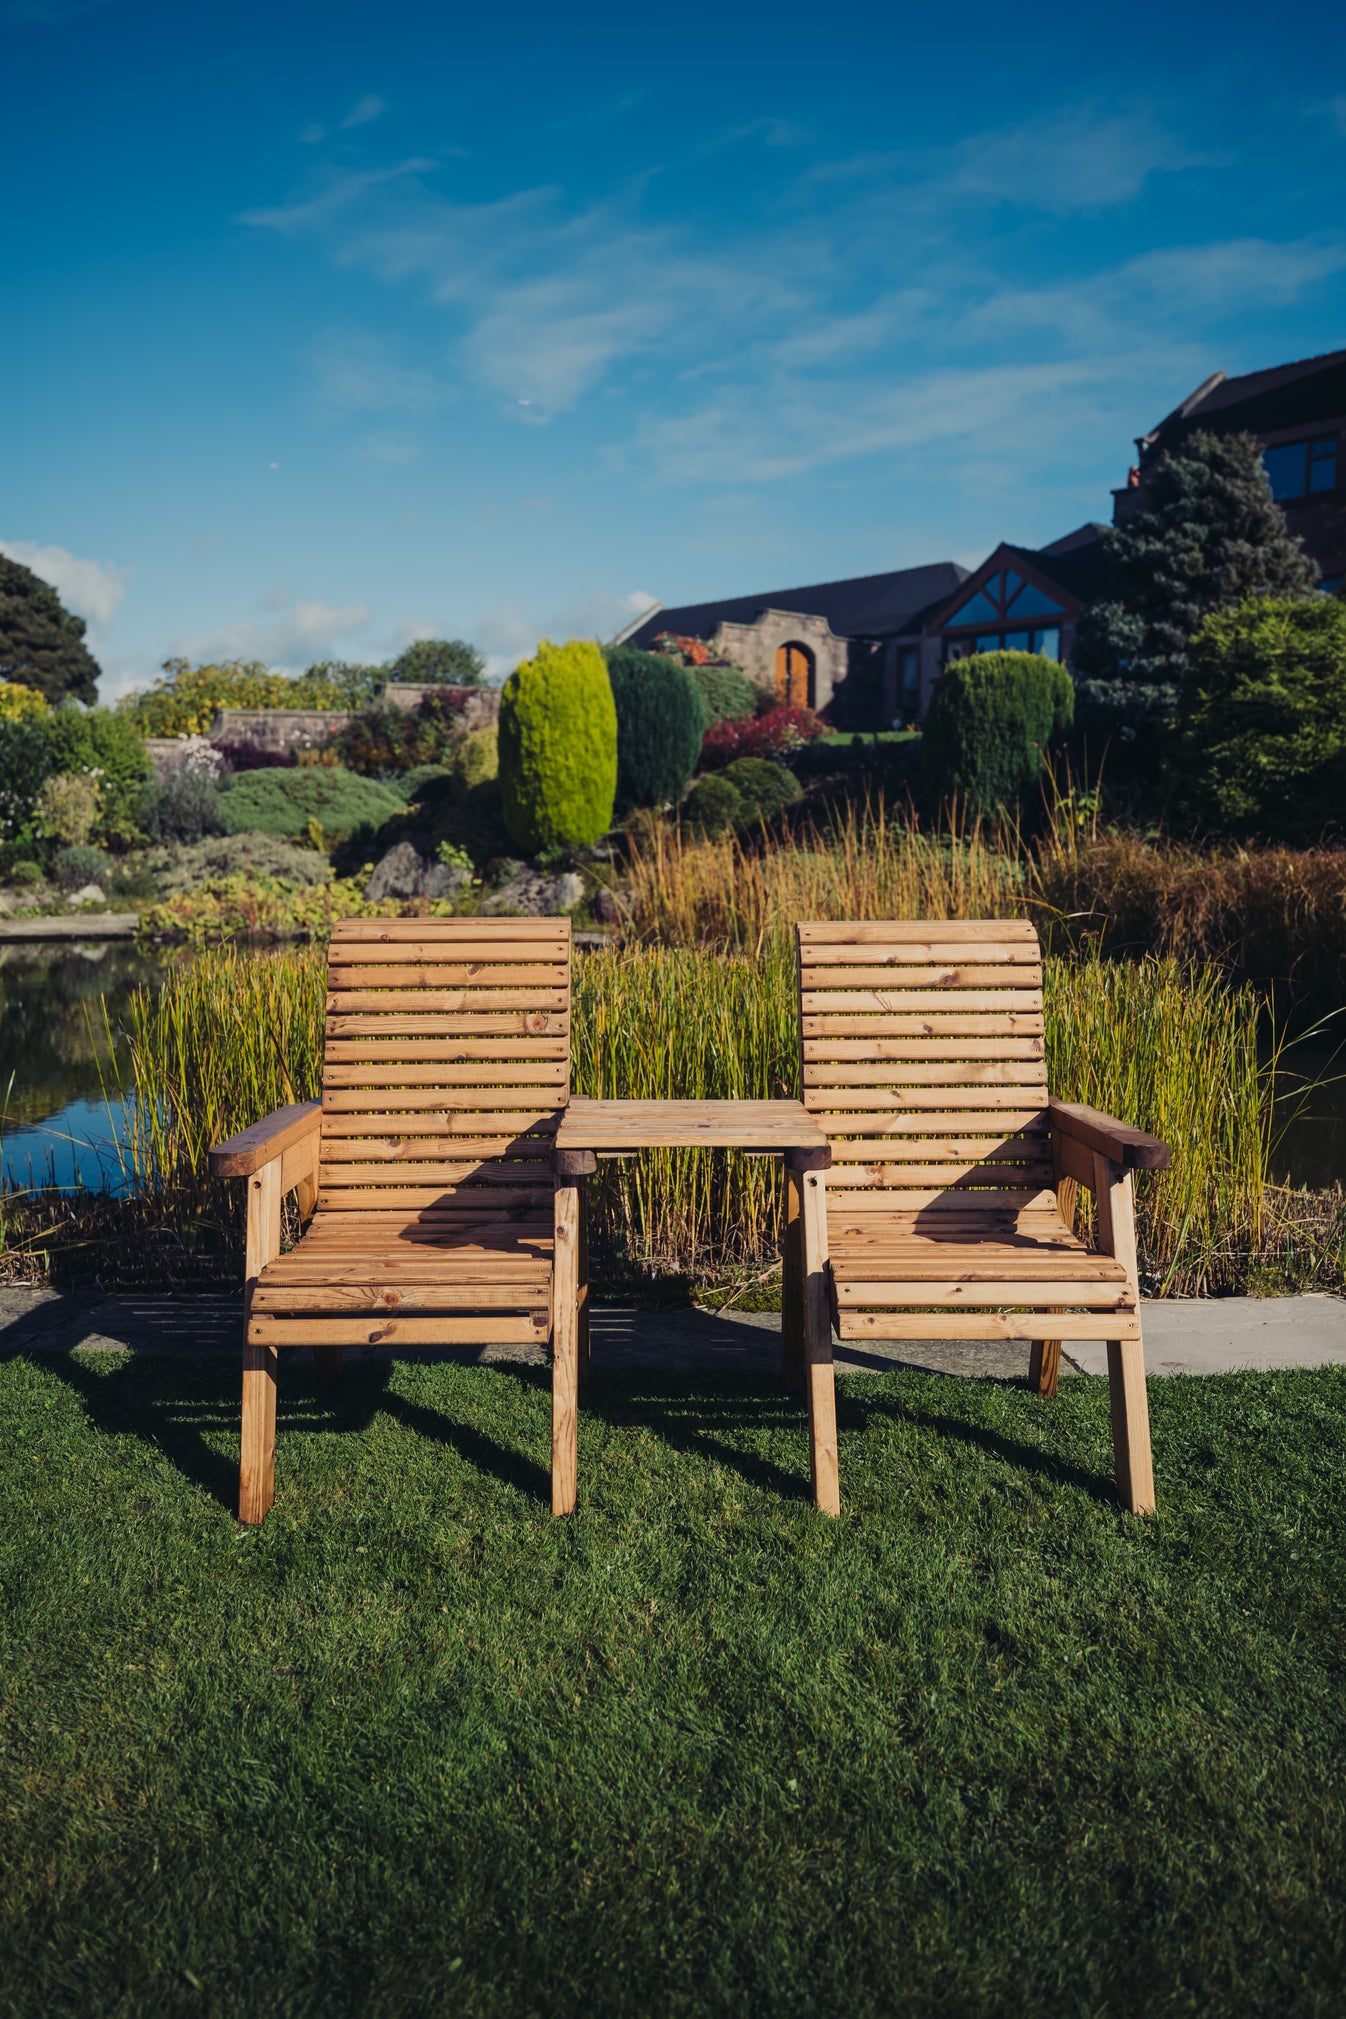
<point>91,893</point>
<point>445,879</point>
<point>609,909</point>
<point>399,873</point>
<point>528,894</point>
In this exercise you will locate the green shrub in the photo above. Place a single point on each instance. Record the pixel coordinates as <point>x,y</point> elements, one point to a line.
<point>762,786</point>
<point>444,812</point>
<point>74,867</point>
<point>477,758</point>
<point>25,870</point>
<point>727,694</point>
<point>558,748</point>
<point>1263,719</point>
<point>73,742</point>
<point>182,806</point>
<point>660,722</point>
<point>285,802</point>
<point>172,871</point>
<point>712,804</point>
<point>992,719</point>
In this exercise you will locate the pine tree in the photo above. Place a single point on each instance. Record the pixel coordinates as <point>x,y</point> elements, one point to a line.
<point>41,642</point>
<point>1210,536</point>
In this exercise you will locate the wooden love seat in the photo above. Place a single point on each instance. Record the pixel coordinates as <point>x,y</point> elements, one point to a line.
<point>425,1172</point>
<point>923,1062</point>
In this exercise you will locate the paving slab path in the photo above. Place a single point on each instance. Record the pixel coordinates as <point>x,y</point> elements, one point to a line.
<point>1182,1336</point>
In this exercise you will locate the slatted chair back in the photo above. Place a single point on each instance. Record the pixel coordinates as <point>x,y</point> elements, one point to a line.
<point>923,1060</point>
<point>447,1066</point>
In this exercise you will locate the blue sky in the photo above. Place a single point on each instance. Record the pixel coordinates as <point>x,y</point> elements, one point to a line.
<point>329,327</point>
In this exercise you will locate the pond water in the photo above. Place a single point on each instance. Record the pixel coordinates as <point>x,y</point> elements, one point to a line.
<point>55,1122</point>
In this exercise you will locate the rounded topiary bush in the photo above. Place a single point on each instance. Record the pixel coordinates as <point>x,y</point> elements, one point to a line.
<point>991,721</point>
<point>712,805</point>
<point>763,787</point>
<point>285,802</point>
<point>660,722</point>
<point>558,748</point>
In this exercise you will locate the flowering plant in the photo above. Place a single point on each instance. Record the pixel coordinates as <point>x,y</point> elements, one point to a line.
<point>768,735</point>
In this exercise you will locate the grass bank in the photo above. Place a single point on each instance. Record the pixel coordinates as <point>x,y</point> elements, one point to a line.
<point>235,1034</point>
<point>984,1746</point>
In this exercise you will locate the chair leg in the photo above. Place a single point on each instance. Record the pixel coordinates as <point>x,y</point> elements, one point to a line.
<point>257,1467</point>
<point>792,1285</point>
<point>818,1368</point>
<point>257,1454</point>
<point>1126,1357</point>
<point>1044,1367</point>
<point>582,1287</point>
<point>329,1365</point>
<point>1131,1424</point>
<point>565,1348</point>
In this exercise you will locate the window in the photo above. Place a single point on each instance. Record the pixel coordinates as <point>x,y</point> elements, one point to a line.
<point>1330,584</point>
<point>1296,468</point>
<point>1046,639</point>
<point>909,682</point>
<point>979,608</point>
<point>1323,465</point>
<point>1003,596</point>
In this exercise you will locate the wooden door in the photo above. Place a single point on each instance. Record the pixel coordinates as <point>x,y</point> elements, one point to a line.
<point>794,676</point>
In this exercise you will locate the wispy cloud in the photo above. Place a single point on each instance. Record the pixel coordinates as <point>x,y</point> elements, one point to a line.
<point>342,192</point>
<point>1082,159</point>
<point>354,372</point>
<point>507,635</point>
<point>364,110</point>
<point>295,636</point>
<point>94,590</point>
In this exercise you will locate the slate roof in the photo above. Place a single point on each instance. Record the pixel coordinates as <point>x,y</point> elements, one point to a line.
<point>865,606</point>
<point>1285,396</point>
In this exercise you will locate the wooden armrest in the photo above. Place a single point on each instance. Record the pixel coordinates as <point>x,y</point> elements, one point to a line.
<point>1131,1148</point>
<point>251,1148</point>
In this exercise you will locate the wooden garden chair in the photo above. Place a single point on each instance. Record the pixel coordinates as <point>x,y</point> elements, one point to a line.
<point>923,1063</point>
<point>425,1172</point>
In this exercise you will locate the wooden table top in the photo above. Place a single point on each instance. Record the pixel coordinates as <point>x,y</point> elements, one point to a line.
<point>676,1125</point>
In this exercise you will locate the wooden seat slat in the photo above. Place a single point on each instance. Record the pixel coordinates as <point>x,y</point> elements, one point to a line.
<point>814,933</point>
<point>520,981</point>
<point>883,1044</point>
<point>472,1005</point>
<point>1022,1327</point>
<point>521,1328</point>
<point>864,990</point>
<point>520,1027</point>
<point>433,931</point>
<point>439,1121</point>
<point>917,953</point>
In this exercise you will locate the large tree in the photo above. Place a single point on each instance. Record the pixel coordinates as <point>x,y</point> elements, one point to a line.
<point>41,642</point>
<point>1211,536</point>
<point>438,662</point>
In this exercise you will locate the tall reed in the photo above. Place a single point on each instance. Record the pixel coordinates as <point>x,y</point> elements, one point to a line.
<point>1169,1047</point>
<point>869,862</point>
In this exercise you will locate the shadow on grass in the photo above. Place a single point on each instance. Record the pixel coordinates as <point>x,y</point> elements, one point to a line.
<point>1012,1451</point>
<point>186,1408</point>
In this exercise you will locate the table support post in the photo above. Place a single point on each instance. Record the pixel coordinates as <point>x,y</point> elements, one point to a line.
<point>818,1349</point>
<point>792,1283</point>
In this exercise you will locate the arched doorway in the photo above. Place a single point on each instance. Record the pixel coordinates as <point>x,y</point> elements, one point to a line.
<point>794,676</point>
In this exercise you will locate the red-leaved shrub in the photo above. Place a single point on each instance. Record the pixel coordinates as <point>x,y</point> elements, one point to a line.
<point>769,735</point>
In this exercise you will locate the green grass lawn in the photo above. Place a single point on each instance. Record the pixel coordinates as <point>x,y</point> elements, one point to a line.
<point>986,1745</point>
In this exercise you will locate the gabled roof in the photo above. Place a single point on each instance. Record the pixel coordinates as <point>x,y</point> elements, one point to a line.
<point>1284,396</point>
<point>865,606</point>
<point>1078,573</point>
